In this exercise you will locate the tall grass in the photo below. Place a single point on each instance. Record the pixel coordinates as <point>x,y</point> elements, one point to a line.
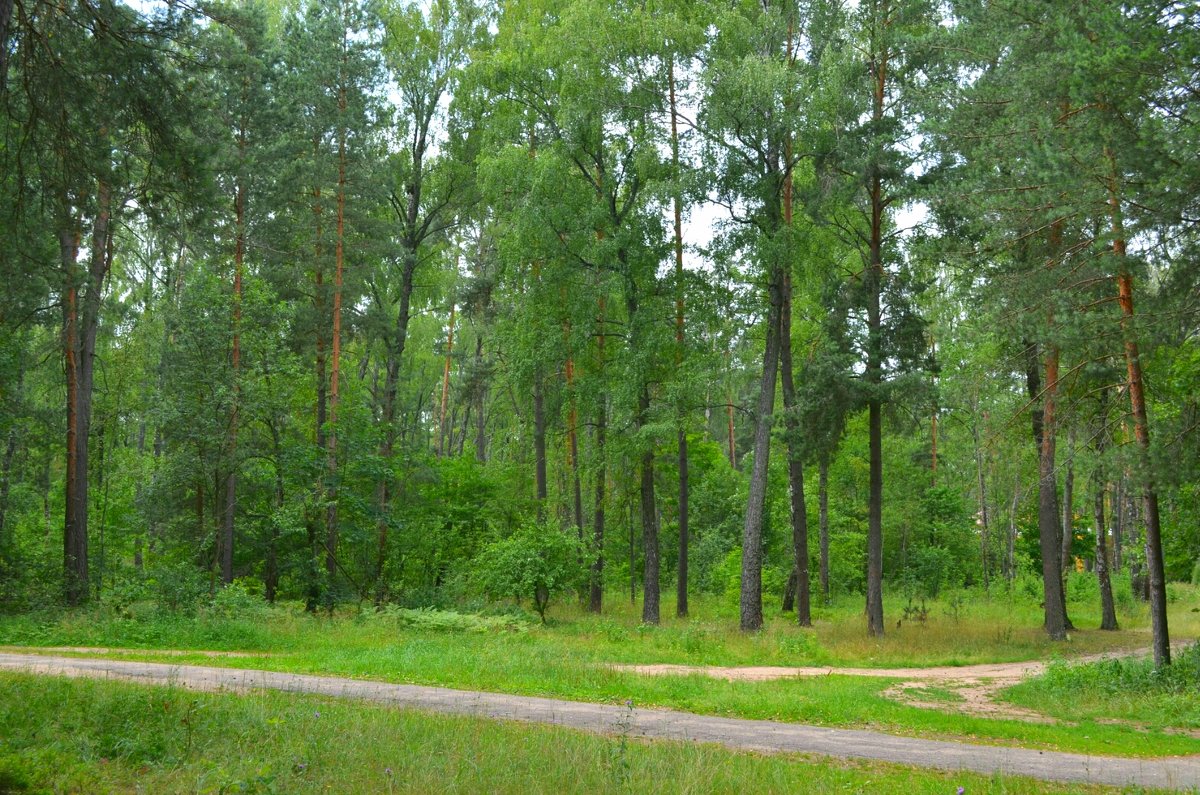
<point>87,736</point>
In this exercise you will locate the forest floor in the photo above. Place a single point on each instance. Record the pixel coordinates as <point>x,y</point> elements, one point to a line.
<point>626,720</point>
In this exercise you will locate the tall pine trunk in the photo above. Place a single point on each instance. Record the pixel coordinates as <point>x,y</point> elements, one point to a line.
<point>1141,431</point>
<point>751,611</point>
<point>1048,519</point>
<point>225,546</point>
<point>75,553</point>
<point>313,585</point>
<point>795,464</point>
<point>681,582</point>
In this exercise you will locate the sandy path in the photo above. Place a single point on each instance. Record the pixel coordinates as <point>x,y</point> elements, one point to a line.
<point>754,735</point>
<point>1015,671</point>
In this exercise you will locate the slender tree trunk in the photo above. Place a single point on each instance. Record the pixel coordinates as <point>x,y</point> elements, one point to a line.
<point>1118,511</point>
<point>391,379</point>
<point>650,552</point>
<point>539,447</point>
<point>335,359</point>
<point>873,284</point>
<point>984,524</point>
<point>795,463</point>
<point>6,8</point>
<point>271,565</point>
<point>313,585</point>
<point>10,451</point>
<point>225,546</point>
<point>732,443</point>
<point>573,437</point>
<point>1108,620</point>
<point>681,582</point>
<point>1141,431</point>
<point>1010,563</point>
<point>751,617</point>
<point>480,401</point>
<point>445,403</point>
<point>596,591</point>
<point>823,523</point>
<point>1068,512</point>
<point>874,377</point>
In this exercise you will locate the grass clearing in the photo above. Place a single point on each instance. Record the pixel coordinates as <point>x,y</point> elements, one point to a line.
<point>568,659</point>
<point>60,735</point>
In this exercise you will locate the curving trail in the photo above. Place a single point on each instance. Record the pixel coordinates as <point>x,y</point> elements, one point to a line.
<point>753,735</point>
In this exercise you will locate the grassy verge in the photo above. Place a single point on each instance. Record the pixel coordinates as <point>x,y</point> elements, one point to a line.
<point>1128,690</point>
<point>95,737</point>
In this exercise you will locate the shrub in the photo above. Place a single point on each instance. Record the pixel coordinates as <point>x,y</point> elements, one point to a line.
<point>238,599</point>
<point>537,561</point>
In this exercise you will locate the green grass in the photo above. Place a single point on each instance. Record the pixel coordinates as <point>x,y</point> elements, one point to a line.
<point>59,735</point>
<point>933,695</point>
<point>568,659</point>
<point>1128,690</point>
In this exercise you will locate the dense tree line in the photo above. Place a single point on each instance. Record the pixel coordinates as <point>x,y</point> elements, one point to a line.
<point>354,301</point>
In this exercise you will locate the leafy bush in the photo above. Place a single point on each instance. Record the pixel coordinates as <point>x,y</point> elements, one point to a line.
<point>930,568</point>
<point>537,561</point>
<point>237,600</point>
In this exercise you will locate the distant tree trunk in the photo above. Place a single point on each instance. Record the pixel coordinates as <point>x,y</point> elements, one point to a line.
<point>681,582</point>
<point>6,8</point>
<point>573,439</point>
<point>1108,620</point>
<point>1141,430</point>
<point>1118,511</point>
<point>732,441</point>
<point>539,447</point>
<point>823,523</point>
<point>480,401</point>
<point>1010,564</point>
<point>596,590</point>
<point>983,506</point>
<point>271,564</point>
<point>445,402</point>
<point>10,451</point>
<point>1068,507</point>
<point>751,617</point>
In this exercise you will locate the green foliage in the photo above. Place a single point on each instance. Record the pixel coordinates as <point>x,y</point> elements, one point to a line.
<point>538,562</point>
